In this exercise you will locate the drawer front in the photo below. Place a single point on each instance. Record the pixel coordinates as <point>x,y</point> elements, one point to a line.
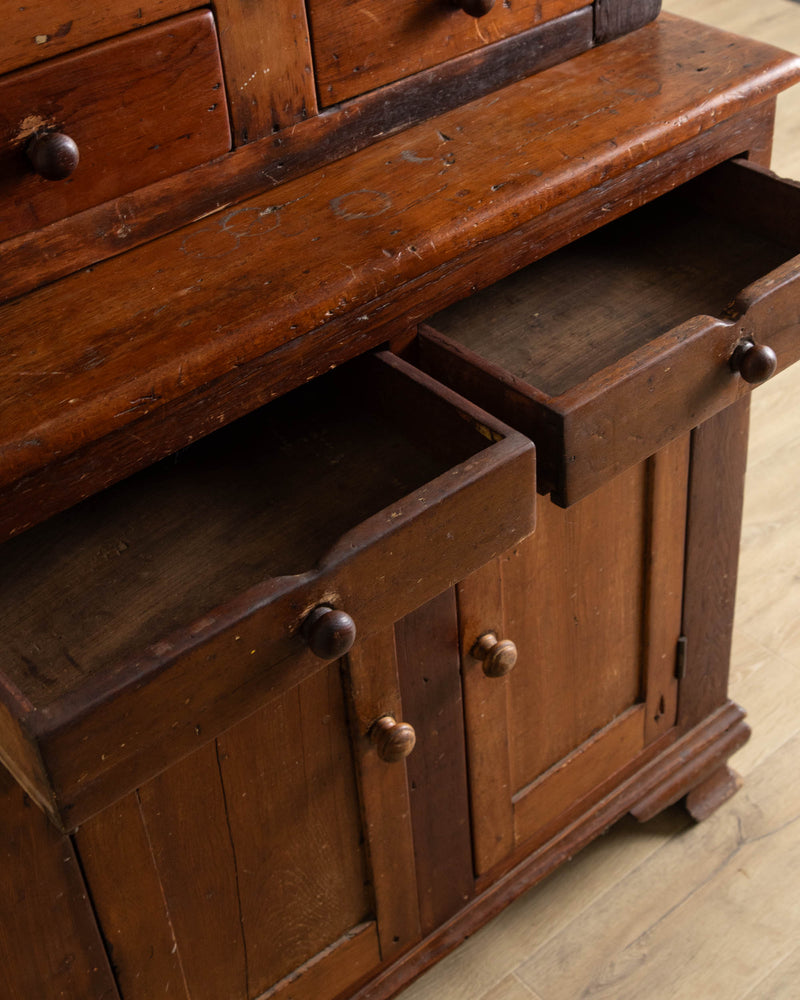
<point>364,44</point>
<point>159,613</point>
<point>33,32</point>
<point>136,109</point>
<point>618,344</point>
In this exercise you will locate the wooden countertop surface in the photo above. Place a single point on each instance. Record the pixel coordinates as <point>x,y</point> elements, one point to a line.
<point>108,369</point>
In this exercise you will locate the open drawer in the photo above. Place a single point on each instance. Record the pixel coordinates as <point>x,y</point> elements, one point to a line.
<point>148,619</point>
<point>615,345</point>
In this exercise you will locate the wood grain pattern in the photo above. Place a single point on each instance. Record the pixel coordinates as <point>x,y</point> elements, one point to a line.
<point>615,17</point>
<point>592,763</point>
<point>600,338</point>
<point>294,819</point>
<point>480,609</point>
<point>197,319</point>
<point>363,45</point>
<point>715,512</point>
<point>40,31</point>
<point>357,954</point>
<point>140,108</point>
<point>668,478</point>
<point>373,690</point>
<point>428,666</point>
<point>104,730</point>
<point>128,898</point>
<point>185,815</point>
<point>49,944</point>
<point>95,234</point>
<point>267,60</point>
<point>585,574</point>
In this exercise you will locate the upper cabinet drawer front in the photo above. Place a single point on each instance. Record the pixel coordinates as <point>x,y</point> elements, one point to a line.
<point>363,44</point>
<point>36,31</point>
<point>606,350</point>
<point>139,108</point>
<point>161,612</point>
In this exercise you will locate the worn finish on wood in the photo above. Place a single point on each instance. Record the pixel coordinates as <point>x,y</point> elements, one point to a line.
<point>709,795</point>
<point>225,566</point>
<point>232,318</point>
<point>127,896</point>
<point>668,477</point>
<point>605,591</point>
<point>715,512</point>
<point>139,108</point>
<point>373,691</point>
<point>185,814</point>
<point>596,345</point>
<point>293,815</point>
<point>49,945</point>
<point>246,864</point>
<point>480,609</point>
<point>430,682</point>
<point>367,44</point>
<point>357,956</point>
<point>32,32</point>
<point>267,60</point>
<point>615,17</point>
<point>725,732</point>
<point>567,841</point>
<point>95,234</point>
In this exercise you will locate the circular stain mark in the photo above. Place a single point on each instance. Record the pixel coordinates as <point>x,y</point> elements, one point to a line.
<point>362,204</point>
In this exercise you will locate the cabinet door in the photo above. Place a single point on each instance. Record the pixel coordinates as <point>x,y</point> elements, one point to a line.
<point>254,867</point>
<point>593,602</point>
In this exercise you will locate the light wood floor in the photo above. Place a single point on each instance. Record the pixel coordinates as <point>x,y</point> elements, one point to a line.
<point>670,910</point>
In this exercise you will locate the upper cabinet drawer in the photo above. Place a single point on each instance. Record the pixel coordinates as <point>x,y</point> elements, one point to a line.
<point>608,349</point>
<point>100,122</point>
<point>362,44</point>
<point>141,623</point>
<point>36,31</point>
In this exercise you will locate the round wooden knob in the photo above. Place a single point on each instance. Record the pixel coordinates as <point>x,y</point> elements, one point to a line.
<point>499,655</point>
<point>53,155</point>
<point>755,362</point>
<point>329,633</point>
<point>475,8</point>
<point>394,740</point>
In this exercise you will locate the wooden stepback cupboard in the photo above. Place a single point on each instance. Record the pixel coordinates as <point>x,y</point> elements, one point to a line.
<point>372,437</point>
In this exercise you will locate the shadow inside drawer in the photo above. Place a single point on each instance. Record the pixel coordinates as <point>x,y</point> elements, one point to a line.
<point>267,496</point>
<point>589,305</point>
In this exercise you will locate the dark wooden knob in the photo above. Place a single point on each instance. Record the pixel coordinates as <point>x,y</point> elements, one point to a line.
<point>475,8</point>
<point>499,655</point>
<point>394,740</point>
<point>329,633</point>
<point>53,155</point>
<point>754,362</point>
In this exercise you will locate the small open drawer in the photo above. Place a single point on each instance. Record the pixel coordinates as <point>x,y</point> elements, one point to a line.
<point>615,345</point>
<point>143,622</point>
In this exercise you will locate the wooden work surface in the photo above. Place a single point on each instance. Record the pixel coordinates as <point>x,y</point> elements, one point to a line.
<point>117,365</point>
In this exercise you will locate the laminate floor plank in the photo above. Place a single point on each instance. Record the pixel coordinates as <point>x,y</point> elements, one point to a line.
<point>510,988</point>
<point>649,934</point>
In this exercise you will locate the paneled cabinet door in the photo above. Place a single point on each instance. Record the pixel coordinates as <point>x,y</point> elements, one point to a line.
<point>592,601</point>
<point>273,862</point>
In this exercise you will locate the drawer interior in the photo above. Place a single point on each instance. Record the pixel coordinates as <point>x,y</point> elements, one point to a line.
<point>267,496</point>
<point>558,322</point>
<point>615,345</point>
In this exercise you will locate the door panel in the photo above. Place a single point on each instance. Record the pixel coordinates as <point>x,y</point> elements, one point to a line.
<point>593,602</point>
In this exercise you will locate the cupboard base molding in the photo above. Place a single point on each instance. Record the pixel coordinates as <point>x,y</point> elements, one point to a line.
<point>693,765</point>
<point>693,768</point>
